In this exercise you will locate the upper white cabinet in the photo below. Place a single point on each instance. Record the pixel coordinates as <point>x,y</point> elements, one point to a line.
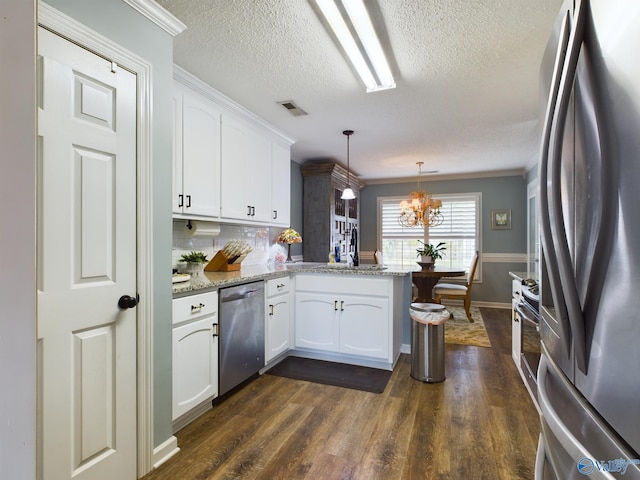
<point>280,184</point>
<point>229,165</point>
<point>246,172</point>
<point>196,157</point>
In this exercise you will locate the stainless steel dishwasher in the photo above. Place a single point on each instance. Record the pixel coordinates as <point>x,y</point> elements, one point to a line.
<point>241,333</point>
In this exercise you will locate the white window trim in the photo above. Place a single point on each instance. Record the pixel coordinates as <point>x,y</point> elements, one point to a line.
<point>442,196</point>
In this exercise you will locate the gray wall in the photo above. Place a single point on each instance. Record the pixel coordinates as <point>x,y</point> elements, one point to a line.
<point>125,26</point>
<point>17,243</point>
<point>497,193</point>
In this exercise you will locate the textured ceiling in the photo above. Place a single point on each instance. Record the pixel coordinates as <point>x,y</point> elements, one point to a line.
<point>467,96</point>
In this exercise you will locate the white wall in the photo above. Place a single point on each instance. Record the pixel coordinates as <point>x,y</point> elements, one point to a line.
<point>17,241</point>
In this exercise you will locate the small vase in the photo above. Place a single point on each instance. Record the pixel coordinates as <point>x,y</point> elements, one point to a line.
<point>196,270</point>
<point>426,262</point>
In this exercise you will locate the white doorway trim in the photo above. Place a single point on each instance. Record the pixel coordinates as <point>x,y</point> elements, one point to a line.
<point>75,32</point>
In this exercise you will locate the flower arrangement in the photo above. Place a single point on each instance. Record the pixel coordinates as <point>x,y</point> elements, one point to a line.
<point>289,236</point>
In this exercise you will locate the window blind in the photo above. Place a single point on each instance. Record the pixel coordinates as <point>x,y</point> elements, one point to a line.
<point>459,231</point>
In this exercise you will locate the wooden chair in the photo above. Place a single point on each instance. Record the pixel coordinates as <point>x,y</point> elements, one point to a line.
<point>455,290</point>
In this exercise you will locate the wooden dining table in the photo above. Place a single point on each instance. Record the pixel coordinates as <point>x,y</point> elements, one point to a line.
<point>426,279</point>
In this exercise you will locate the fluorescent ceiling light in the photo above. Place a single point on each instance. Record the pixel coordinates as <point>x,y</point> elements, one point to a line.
<point>369,61</point>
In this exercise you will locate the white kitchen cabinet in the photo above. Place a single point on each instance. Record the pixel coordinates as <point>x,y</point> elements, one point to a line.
<point>280,184</point>
<point>364,326</point>
<point>196,156</point>
<point>195,351</point>
<point>246,172</point>
<point>317,321</point>
<point>278,318</point>
<point>349,324</point>
<point>349,315</point>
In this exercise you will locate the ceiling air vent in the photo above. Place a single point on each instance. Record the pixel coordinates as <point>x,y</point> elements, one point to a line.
<point>292,108</point>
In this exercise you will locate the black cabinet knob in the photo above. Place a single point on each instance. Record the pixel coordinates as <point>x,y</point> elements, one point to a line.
<point>126,301</point>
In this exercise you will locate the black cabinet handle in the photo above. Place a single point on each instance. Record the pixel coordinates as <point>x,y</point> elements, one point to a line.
<point>180,200</point>
<point>188,201</point>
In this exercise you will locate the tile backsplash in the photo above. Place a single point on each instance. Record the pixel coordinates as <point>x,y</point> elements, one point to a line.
<point>261,239</point>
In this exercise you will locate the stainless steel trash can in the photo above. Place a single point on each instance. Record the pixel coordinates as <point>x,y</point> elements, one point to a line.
<point>427,341</point>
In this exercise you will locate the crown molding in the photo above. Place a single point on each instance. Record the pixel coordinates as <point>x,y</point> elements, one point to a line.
<point>454,176</point>
<point>158,15</point>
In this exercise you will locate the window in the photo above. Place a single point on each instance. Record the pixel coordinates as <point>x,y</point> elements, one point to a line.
<point>460,231</point>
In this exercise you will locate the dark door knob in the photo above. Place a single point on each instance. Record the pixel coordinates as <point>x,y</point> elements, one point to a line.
<point>126,301</point>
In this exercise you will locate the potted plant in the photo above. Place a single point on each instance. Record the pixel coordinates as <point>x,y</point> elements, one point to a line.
<point>192,263</point>
<point>429,253</point>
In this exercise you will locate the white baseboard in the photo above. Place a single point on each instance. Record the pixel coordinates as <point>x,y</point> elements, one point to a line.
<point>165,451</point>
<point>405,348</point>
<point>477,303</point>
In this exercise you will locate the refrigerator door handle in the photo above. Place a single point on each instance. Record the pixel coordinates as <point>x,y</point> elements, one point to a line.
<point>545,185</point>
<point>559,236</point>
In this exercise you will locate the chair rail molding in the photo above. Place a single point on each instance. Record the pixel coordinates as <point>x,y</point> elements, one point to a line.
<point>504,257</point>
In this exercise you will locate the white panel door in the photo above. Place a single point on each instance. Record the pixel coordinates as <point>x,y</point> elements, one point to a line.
<point>86,262</point>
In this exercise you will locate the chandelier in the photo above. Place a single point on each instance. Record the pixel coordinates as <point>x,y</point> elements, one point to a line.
<point>420,209</point>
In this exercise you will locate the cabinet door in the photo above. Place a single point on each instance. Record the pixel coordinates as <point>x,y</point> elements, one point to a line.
<point>195,365</point>
<point>316,321</point>
<point>280,184</point>
<point>364,326</point>
<point>201,155</point>
<point>259,176</point>
<point>246,172</point>
<point>234,190</point>
<point>278,331</point>
<point>178,197</point>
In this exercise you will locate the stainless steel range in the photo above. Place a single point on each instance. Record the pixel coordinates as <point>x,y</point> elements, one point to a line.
<point>528,313</point>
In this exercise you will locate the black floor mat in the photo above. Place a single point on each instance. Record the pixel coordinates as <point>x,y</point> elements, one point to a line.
<point>330,373</point>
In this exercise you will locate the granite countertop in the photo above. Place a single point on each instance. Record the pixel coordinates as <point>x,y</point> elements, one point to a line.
<point>215,280</point>
<point>520,276</point>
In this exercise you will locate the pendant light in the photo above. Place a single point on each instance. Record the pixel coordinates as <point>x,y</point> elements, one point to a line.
<point>347,193</point>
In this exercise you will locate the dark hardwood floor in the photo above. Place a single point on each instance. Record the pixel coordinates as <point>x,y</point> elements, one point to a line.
<point>478,424</point>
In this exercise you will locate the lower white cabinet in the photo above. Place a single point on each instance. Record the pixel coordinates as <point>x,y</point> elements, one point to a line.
<point>278,318</point>
<point>317,321</point>
<point>349,315</point>
<point>195,351</point>
<point>343,323</point>
<point>364,326</point>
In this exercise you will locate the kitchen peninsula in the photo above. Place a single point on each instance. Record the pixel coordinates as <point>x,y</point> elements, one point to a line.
<point>214,280</point>
<point>325,311</point>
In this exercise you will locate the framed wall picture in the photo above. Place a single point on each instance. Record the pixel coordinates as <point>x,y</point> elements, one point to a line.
<point>501,219</point>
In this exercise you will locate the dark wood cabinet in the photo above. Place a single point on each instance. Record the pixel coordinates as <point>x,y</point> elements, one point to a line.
<point>328,220</point>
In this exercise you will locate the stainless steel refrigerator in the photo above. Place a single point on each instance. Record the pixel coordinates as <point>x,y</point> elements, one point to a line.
<point>589,200</point>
